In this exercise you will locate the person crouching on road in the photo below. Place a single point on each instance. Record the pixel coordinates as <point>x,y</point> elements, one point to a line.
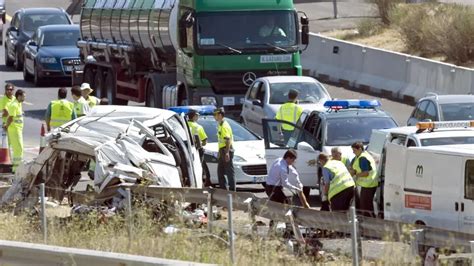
<point>338,183</point>
<point>278,178</point>
<point>14,126</point>
<point>81,106</point>
<point>86,90</point>
<point>364,172</point>
<point>225,139</point>
<point>59,111</point>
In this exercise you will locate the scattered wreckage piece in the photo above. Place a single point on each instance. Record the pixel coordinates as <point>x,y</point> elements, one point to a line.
<point>118,145</point>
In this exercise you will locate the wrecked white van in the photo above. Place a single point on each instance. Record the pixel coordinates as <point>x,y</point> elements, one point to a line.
<point>117,144</point>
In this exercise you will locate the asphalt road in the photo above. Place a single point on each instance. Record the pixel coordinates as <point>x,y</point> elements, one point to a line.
<point>38,98</point>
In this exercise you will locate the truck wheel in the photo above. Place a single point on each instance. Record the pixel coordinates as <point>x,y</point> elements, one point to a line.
<point>99,83</point>
<point>89,78</point>
<point>111,89</point>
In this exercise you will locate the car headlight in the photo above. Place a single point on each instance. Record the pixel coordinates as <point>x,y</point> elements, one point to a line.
<point>48,60</point>
<point>209,100</point>
<point>239,159</point>
<point>210,156</point>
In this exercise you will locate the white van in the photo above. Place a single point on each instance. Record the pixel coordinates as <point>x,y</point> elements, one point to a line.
<point>431,185</point>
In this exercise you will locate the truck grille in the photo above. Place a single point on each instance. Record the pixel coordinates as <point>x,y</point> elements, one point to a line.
<point>259,169</point>
<point>231,82</point>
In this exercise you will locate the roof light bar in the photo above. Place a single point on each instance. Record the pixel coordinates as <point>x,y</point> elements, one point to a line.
<point>346,104</point>
<point>444,124</point>
<point>201,109</point>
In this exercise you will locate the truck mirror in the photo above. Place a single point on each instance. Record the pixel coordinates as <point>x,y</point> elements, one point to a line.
<point>189,22</point>
<point>305,35</point>
<point>304,20</point>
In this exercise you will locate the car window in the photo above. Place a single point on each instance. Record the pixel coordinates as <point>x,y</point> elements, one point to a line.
<point>308,92</point>
<point>60,38</point>
<point>469,180</point>
<point>240,133</point>
<point>261,92</point>
<point>447,141</point>
<point>346,130</point>
<point>177,127</point>
<point>275,138</point>
<point>420,110</point>
<point>32,22</point>
<point>457,111</point>
<point>411,143</point>
<point>254,90</point>
<point>398,139</point>
<point>16,21</point>
<point>431,112</point>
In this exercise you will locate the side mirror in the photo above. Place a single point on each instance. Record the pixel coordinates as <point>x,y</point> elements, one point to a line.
<point>12,28</point>
<point>257,102</point>
<point>303,146</point>
<point>304,30</point>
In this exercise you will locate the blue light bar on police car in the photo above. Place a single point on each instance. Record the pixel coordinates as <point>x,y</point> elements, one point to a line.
<point>346,104</point>
<point>201,109</point>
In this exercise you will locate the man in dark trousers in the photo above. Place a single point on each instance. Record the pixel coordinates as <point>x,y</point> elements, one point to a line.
<point>338,183</point>
<point>364,172</point>
<point>225,138</point>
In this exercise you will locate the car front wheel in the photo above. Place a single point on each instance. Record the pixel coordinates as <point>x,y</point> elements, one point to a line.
<point>37,79</point>
<point>8,62</point>
<point>26,75</point>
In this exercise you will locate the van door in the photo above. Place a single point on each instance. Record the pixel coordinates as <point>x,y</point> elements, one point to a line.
<point>393,183</point>
<point>466,206</point>
<point>301,140</point>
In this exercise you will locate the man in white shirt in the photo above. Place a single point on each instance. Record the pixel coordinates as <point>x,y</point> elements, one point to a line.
<point>278,177</point>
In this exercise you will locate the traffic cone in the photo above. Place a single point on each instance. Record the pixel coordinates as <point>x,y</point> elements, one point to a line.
<point>42,138</point>
<point>5,162</point>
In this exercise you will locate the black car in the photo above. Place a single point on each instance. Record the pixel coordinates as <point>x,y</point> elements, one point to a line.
<point>3,18</point>
<point>24,23</point>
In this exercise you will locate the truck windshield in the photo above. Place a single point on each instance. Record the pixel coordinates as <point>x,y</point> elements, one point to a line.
<point>347,130</point>
<point>269,30</point>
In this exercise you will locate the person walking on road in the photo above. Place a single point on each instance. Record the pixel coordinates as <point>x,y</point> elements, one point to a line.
<point>14,127</point>
<point>278,178</point>
<point>225,139</point>
<point>59,111</point>
<point>86,90</point>
<point>81,106</point>
<point>364,172</point>
<point>290,112</point>
<point>338,183</point>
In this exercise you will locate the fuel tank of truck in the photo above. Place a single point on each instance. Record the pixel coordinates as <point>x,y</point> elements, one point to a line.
<point>144,24</point>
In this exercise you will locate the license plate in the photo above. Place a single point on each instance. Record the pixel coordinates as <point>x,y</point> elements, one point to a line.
<point>228,101</point>
<point>285,58</point>
<point>259,179</point>
<point>70,68</point>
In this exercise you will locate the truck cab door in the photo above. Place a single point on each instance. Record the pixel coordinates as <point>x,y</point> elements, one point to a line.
<point>301,140</point>
<point>466,206</point>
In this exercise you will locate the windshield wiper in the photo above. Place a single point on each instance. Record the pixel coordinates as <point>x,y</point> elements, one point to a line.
<point>276,47</point>
<point>230,48</point>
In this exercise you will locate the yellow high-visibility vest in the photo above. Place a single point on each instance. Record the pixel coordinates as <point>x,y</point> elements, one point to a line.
<point>289,112</point>
<point>370,180</point>
<point>224,130</point>
<point>61,112</point>
<point>342,178</point>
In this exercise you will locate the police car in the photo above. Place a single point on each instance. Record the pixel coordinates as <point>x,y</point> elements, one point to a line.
<point>341,124</point>
<point>249,161</point>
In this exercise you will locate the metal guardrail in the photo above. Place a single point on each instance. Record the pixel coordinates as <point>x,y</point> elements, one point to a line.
<point>339,222</point>
<point>21,253</point>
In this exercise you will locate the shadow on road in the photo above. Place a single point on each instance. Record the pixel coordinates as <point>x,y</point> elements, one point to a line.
<point>36,114</point>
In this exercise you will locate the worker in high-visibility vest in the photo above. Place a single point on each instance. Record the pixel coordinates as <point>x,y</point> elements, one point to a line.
<point>338,183</point>
<point>336,154</point>
<point>81,106</point>
<point>59,111</point>
<point>364,172</point>
<point>86,90</point>
<point>14,126</point>
<point>4,101</point>
<point>225,139</point>
<point>290,112</point>
<point>197,130</point>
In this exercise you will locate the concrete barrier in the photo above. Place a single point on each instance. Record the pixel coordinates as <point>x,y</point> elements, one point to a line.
<point>383,73</point>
